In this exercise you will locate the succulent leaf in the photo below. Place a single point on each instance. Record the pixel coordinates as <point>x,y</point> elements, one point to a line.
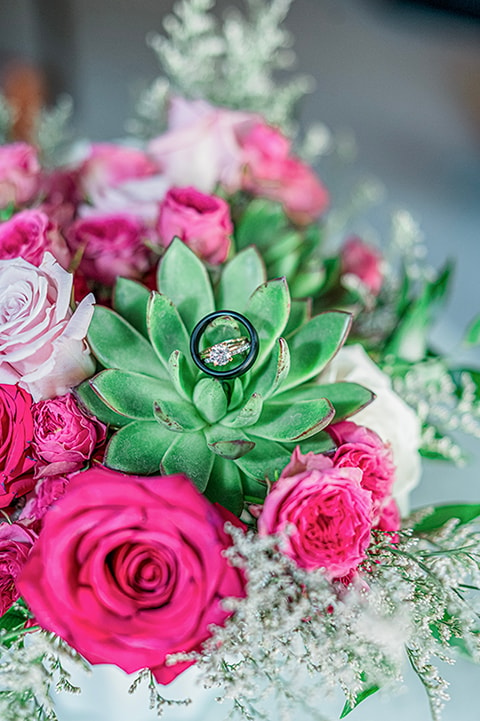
<point>268,310</point>
<point>183,278</point>
<point>117,344</point>
<point>346,398</point>
<point>180,374</point>
<point>209,397</point>
<point>300,313</point>
<point>248,415</point>
<point>130,301</point>
<point>240,278</point>
<point>166,330</point>
<point>138,448</point>
<point>231,450</point>
<point>93,404</point>
<point>225,485</point>
<point>177,415</point>
<point>130,394</point>
<point>271,376</point>
<point>266,460</point>
<point>293,422</point>
<point>190,455</point>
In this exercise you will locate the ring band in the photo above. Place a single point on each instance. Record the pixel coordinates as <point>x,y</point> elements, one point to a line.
<point>222,353</point>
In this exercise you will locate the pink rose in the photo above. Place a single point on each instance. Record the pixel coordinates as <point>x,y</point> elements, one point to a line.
<point>111,245</point>
<point>63,438</point>
<point>47,491</point>
<point>364,261</point>
<point>129,570</point>
<point>321,512</point>
<point>201,221</point>
<point>16,434</point>
<point>359,447</point>
<point>389,520</point>
<point>16,542</point>
<point>201,145</point>
<point>42,341</point>
<point>19,174</point>
<point>61,195</point>
<point>272,172</point>
<point>28,235</point>
<point>109,165</point>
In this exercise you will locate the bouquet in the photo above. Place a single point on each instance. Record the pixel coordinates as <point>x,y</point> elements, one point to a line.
<point>212,420</point>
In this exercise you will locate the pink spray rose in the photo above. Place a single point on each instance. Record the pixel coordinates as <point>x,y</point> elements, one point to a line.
<point>322,514</point>
<point>363,261</point>
<point>201,221</point>
<point>47,491</point>
<point>201,145</point>
<point>271,171</point>
<point>16,542</point>
<point>64,439</point>
<point>359,447</point>
<point>42,341</point>
<point>129,570</point>
<point>16,434</point>
<point>28,235</point>
<point>111,245</point>
<point>19,174</point>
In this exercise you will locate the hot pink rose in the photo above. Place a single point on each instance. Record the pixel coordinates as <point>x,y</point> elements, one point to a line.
<point>322,514</point>
<point>389,520</point>
<point>201,221</point>
<point>129,570</point>
<point>201,145</point>
<point>271,171</point>
<point>28,235</point>
<point>109,165</point>
<point>19,174</point>
<point>64,439</point>
<point>359,447</point>
<point>16,542</point>
<point>364,261</point>
<point>16,434</point>
<point>42,341</point>
<point>111,245</point>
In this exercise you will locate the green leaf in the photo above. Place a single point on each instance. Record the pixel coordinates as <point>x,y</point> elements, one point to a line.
<point>240,277</point>
<point>166,330</point>
<point>89,400</point>
<point>117,344</point>
<point>182,277</point>
<point>180,375</point>
<point>189,454</point>
<point>307,283</point>
<point>319,443</point>
<point>274,371</point>
<point>464,512</point>
<point>261,221</point>
<point>210,399</point>
<point>130,301</point>
<point>248,415</point>
<point>231,450</point>
<point>138,448</point>
<point>268,310</point>
<point>300,313</point>
<point>177,415</point>
<point>315,344</point>
<point>348,708</point>
<point>13,623</point>
<point>287,422</point>
<point>472,336</point>
<point>346,398</point>
<point>131,394</point>
<point>266,460</point>
<point>225,485</point>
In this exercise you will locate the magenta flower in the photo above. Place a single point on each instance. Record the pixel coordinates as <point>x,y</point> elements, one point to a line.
<point>19,174</point>
<point>16,433</point>
<point>364,261</point>
<point>16,542</point>
<point>28,235</point>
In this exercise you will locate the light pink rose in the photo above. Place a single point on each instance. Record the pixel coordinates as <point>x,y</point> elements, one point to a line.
<point>109,165</point>
<point>359,447</point>
<point>28,235</point>
<point>64,439</point>
<point>321,512</point>
<point>110,246</point>
<point>42,341</point>
<point>201,221</point>
<point>129,570</point>
<point>19,174</point>
<point>364,261</point>
<point>16,542</point>
<point>271,171</point>
<point>16,434</point>
<point>201,145</point>
<point>138,197</point>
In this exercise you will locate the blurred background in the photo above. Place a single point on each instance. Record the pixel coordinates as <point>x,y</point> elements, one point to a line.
<point>402,77</point>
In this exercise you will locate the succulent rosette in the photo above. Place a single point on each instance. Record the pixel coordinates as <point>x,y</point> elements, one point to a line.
<point>168,416</point>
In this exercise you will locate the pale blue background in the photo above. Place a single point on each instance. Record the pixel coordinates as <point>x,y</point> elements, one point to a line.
<point>408,85</point>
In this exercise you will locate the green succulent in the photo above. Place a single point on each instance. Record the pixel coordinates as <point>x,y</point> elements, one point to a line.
<point>229,437</point>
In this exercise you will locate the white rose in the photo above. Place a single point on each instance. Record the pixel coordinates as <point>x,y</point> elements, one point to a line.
<point>42,341</point>
<point>389,416</point>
